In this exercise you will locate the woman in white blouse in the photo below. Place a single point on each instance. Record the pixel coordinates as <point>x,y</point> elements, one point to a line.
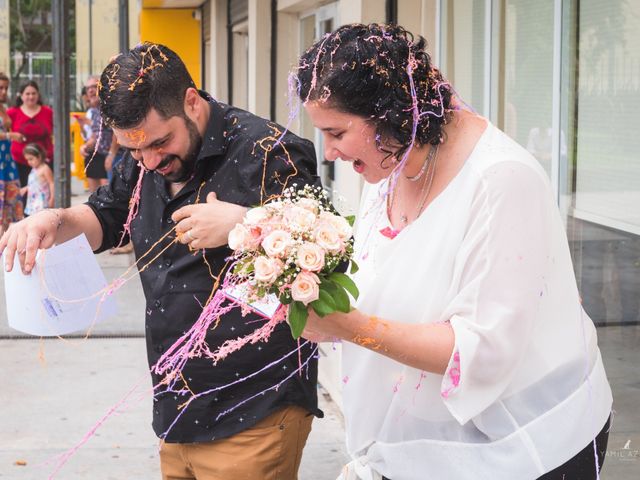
<point>468,355</point>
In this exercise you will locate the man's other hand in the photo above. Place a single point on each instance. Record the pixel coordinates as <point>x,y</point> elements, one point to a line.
<point>207,225</point>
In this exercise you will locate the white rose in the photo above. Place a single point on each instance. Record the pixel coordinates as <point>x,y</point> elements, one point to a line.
<point>238,237</point>
<point>310,257</point>
<point>328,238</point>
<point>299,217</point>
<point>339,223</point>
<point>309,204</point>
<point>267,269</point>
<point>305,288</point>
<point>276,243</point>
<point>255,216</point>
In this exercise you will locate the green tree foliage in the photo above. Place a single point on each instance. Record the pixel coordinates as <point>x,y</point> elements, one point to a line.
<point>31,29</point>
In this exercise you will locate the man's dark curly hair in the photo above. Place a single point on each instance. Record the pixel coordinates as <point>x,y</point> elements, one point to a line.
<point>377,72</point>
<point>148,76</point>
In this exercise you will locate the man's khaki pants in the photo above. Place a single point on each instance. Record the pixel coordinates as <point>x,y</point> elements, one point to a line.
<point>270,450</point>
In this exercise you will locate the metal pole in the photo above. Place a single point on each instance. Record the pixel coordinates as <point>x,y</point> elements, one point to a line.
<point>61,78</point>
<point>123,25</point>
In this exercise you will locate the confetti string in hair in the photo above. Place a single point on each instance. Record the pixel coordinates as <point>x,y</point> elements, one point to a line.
<point>153,63</point>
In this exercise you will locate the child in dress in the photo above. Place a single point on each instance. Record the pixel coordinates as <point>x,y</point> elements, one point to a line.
<point>39,189</point>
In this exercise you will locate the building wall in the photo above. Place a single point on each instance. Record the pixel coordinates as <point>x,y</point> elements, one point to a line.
<point>99,38</point>
<point>217,61</point>
<point>96,37</point>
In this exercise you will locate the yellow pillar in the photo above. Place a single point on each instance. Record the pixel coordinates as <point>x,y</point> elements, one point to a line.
<point>178,29</point>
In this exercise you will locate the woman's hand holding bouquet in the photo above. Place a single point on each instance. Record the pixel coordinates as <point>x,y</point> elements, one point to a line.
<point>290,247</point>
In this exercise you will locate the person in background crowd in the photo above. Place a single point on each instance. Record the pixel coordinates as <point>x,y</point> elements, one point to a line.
<point>97,147</point>
<point>34,122</point>
<point>10,201</point>
<point>468,355</point>
<point>82,119</point>
<point>39,189</point>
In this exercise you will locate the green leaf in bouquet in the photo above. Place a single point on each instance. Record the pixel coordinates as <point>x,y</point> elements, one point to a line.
<point>321,308</point>
<point>337,292</point>
<point>297,318</point>
<point>285,298</point>
<point>324,305</point>
<point>346,282</point>
<point>354,267</point>
<point>244,268</point>
<point>351,219</point>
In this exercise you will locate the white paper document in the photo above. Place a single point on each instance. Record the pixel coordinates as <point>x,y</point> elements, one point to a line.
<point>62,294</point>
<point>266,307</point>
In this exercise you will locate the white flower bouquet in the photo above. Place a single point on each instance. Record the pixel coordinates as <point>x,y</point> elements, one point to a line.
<point>291,247</point>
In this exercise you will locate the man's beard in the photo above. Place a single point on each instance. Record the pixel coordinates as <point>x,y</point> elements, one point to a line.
<point>188,163</point>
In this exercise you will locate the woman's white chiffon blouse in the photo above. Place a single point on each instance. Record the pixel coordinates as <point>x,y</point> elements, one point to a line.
<point>525,389</point>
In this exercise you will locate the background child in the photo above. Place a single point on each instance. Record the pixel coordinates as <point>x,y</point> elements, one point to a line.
<point>39,189</point>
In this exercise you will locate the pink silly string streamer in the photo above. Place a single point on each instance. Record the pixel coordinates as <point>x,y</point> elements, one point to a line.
<point>134,203</point>
<point>244,379</point>
<point>66,456</point>
<point>193,343</point>
<point>260,335</point>
<point>95,148</point>
<point>277,385</point>
<point>314,72</point>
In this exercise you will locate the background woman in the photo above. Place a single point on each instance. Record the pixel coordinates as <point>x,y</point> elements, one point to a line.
<point>34,121</point>
<point>10,201</point>
<point>469,355</point>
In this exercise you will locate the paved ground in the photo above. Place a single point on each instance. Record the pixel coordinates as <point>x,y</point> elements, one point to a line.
<point>53,392</point>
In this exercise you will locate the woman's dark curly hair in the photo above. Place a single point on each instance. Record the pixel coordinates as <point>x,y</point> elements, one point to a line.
<point>380,73</point>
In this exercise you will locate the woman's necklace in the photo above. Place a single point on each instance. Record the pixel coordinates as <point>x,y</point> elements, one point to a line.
<point>427,190</point>
<point>425,165</point>
<point>424,191</point>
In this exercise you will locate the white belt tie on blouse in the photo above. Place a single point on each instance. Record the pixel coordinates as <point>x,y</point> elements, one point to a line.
<point>359,469</point>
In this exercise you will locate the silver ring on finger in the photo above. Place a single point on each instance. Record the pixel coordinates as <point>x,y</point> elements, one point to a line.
<point>191,237</point>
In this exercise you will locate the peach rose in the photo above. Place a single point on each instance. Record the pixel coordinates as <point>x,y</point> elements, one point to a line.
<point>277,243</point>
<point>267,269</point>
<point>238,237</point>
<point>328,238</point>
<point>305,288</point>
<point>339,223</point>
<point>310,257</point>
